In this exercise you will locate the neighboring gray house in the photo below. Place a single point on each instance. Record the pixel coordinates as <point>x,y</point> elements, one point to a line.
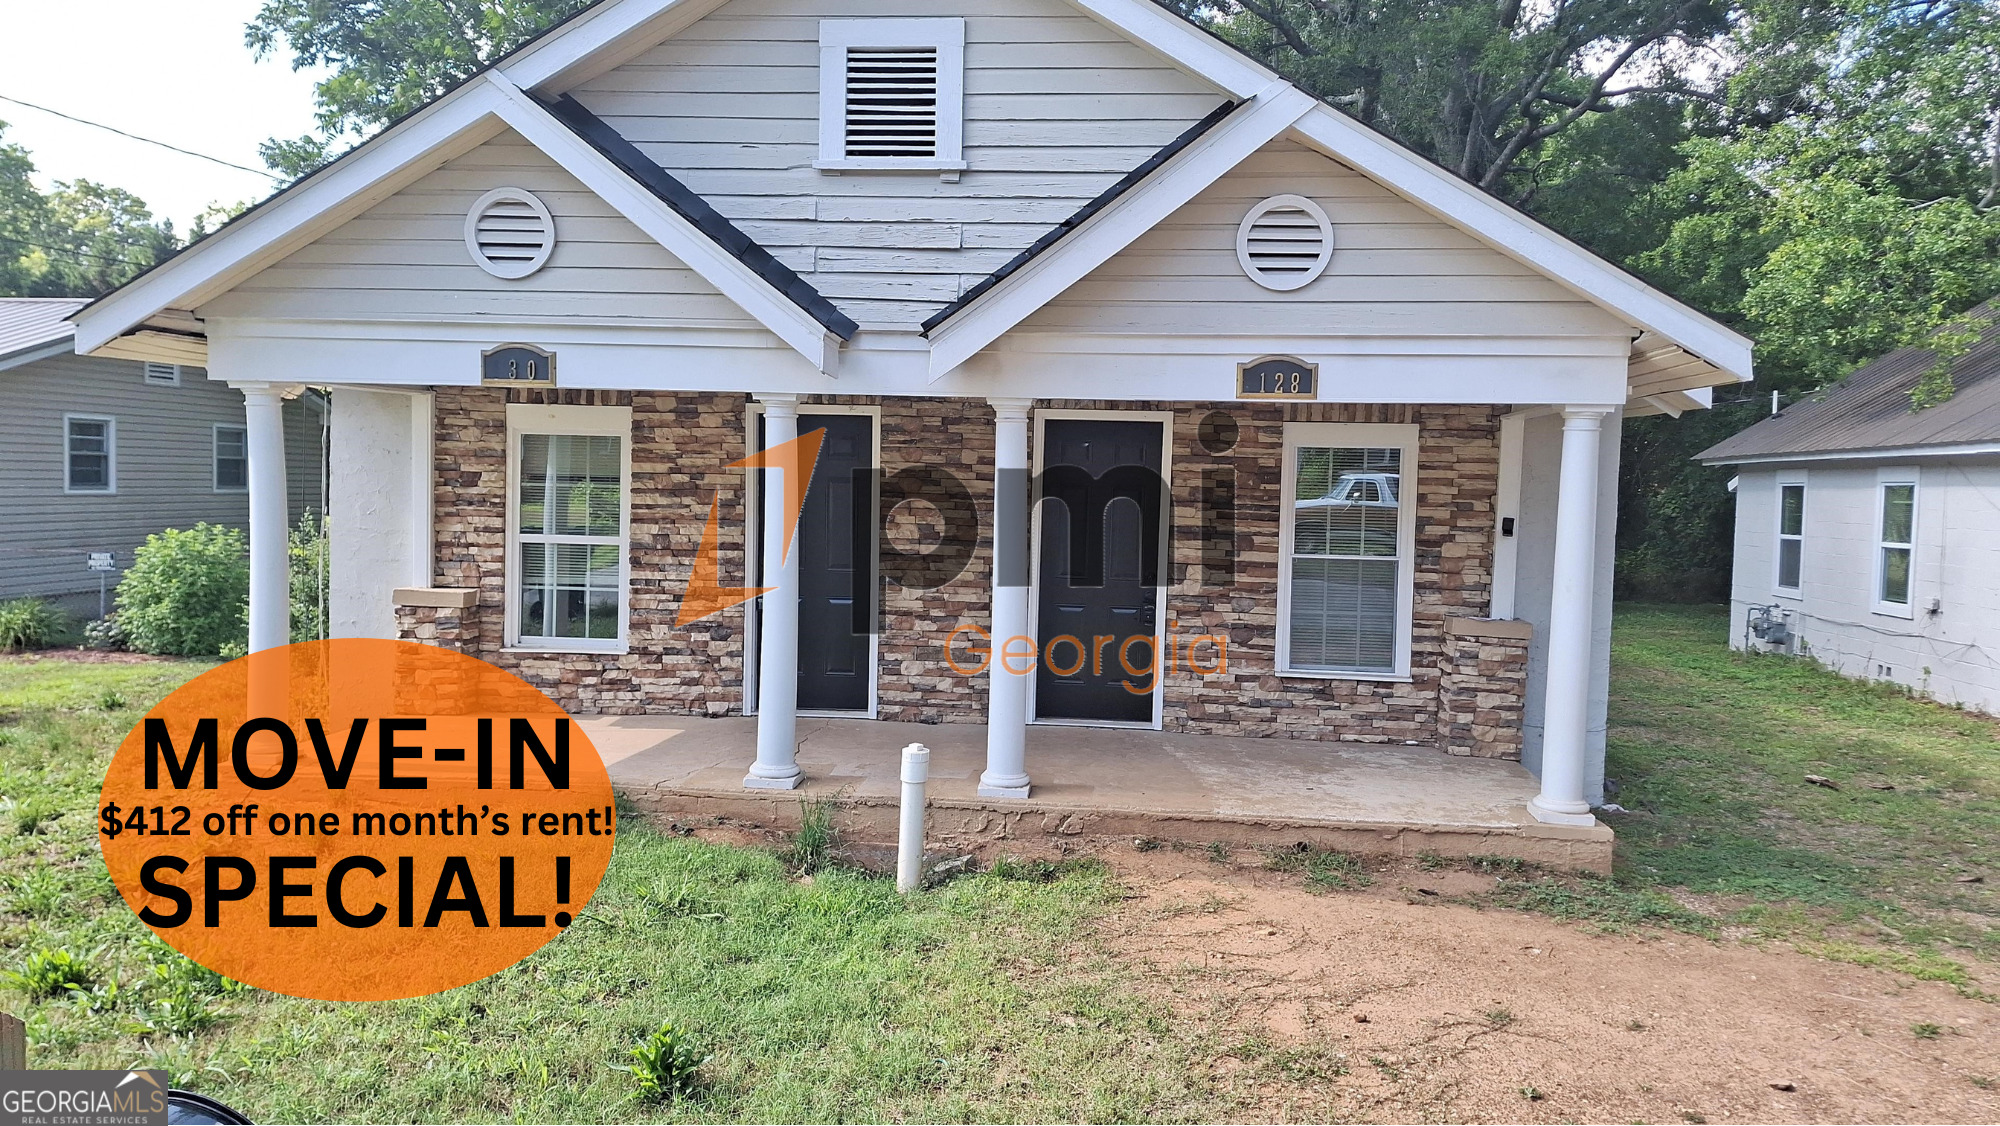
<point>102,453</point>
<point>1868,534</point>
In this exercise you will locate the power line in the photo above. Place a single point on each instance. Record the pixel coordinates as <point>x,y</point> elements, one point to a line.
<point>70,250</point>
<point>146,140</point>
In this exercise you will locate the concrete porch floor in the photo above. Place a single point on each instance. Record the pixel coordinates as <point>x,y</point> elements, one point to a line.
<point>1105,782</point>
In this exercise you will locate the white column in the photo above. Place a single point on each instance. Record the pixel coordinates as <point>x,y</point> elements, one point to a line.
<point>777,765</point>
<point>1566,695</point>
<point>1006,774</point>
<point>270,532</point>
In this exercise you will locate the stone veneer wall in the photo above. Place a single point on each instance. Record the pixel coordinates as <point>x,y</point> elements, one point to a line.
<point>683,443</point>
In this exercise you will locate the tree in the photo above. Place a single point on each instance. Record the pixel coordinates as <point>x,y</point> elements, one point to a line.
<point>1478,85</point>
<point>389,57</point>
<point>79,240</point>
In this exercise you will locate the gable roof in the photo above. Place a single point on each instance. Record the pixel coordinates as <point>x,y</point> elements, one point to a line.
<point>33,327</point>
<point>609,32</point>
<point>1868,413</point>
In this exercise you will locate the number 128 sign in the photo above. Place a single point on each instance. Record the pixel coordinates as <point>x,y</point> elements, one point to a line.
<point>1277,377</point>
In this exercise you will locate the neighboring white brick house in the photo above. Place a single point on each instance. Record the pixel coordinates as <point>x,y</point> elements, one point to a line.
<point>101,453</point>
<point>1871,532</point>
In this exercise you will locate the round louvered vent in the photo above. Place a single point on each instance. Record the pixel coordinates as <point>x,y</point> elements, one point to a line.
<point>510,233</point>
<point>1285,242</point>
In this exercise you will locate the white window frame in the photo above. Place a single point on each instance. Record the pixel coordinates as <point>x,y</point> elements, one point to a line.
<point>110,455</point>
<point>215,457</point>
<point>1788,481</point>
<point>526,418</point>
<point>1352,435</point>
<point>946,34</point>
<point>171,374</point>
<point>1884,479</point>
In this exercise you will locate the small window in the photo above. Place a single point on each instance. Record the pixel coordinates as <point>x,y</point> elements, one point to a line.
<point>1898,542</point>
<point>90,454</point>
<point>892,94</point>
<point>1346,563</point>
<point>163,375</point>
<point>232,459</point>
<point>1791,533</point>
<point>568,572</point>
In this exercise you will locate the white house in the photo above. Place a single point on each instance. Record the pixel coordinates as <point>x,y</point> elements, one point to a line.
<point>1868,533</point>
<point>1340,427</point>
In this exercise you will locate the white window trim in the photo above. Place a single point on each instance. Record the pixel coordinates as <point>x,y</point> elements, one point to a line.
<point>1351,435</point>
<point>526,418</point>
<point>110,455</point>
<point>1786,480</point>
<point>146,374</point>
<point>215,458</point>
<point>836,36</point>
<point>1885,477</point>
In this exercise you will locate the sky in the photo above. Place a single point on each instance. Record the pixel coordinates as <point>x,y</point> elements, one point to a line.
<point>173,70</point>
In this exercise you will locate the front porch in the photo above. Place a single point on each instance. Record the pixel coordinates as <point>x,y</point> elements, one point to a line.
<point>1106,782</point>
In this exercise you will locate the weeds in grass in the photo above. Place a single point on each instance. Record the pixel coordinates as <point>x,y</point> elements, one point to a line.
<point>1611,907</point>
<point>1430,861</point>
<point>111,701</point>
<point>666,1064</point>
<point>1218,853</point>
<point>38,893</point>
<point>1924,965</point>
<point>1925,1030</point>
<point>1043,871</point>
<point>1494,865</point>
<point>52,972</point>
<point>813,846</point>
<point>1307,1065</point>
<point>1325,869</point>
<point>34,815</point>
<point>1499,1017</point>
<point>1532,1094</point>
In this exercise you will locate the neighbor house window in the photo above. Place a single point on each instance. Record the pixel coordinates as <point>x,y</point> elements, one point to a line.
<point>1791,533</point>
<point>891,94</point>
<point>90,454</point>
<point>1898,541</point>
<point>570,468</point>
<point>232,459</point>
<point>1345,560</point>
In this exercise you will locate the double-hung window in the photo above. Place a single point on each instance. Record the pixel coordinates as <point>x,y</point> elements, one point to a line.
<point>568,512</point>
<point>1896,541</point>
<point>1345,564</point>
<point>1791,534</point>
<point>232,459</point>
<point>90,454</point>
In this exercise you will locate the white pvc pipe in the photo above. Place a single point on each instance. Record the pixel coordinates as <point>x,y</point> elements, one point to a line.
<point>910,837</point>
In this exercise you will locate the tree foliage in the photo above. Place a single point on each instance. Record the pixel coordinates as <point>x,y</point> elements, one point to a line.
<point>388,57</point>
<point>79,240</point>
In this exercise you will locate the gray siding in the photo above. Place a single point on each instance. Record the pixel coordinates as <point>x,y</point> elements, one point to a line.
<point>1944,654</point>
<point>1395,270</point>
<point>1057,108</point>
<point>164,457</point>
<point>405,259</point>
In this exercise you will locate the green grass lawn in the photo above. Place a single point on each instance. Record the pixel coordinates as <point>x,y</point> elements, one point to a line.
<point>824,999</point>
<point>1711,750</point>
<point>992,997</point>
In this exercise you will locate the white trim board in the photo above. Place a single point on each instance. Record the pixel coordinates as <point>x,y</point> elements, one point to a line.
<point>1899,453</point>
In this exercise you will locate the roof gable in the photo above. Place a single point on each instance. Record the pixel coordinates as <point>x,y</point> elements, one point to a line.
<point>33,327</point>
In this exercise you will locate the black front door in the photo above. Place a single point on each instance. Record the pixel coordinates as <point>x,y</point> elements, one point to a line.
<point>1099,569</point>
<point>836,539</point>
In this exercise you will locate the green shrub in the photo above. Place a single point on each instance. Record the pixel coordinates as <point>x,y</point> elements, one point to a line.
<point>666,1064</point>
<point>28,623</point>
<point>187,592</point>
<point>105,633</point>
<point>52,973</point>
<point>309,570</point>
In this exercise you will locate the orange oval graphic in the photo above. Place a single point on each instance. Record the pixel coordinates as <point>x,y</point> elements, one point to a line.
<point>357,820</point>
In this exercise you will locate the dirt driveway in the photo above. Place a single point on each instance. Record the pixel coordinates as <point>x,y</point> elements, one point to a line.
<point>1391,1005</point>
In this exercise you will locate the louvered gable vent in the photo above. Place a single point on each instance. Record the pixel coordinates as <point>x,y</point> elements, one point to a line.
<point>510,233</point>
<point>892,94</point>
<point>1285,242</point>
<point>892,102</point>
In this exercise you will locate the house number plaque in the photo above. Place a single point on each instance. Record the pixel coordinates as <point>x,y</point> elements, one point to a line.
<point>517,365</point>
<point>1277,377</point>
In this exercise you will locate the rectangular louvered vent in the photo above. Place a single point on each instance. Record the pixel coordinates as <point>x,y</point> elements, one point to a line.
<point>892,102</point>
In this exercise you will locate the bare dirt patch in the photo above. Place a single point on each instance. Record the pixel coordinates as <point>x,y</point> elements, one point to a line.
<point>88,657</point>
<point>1392,1005</point>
